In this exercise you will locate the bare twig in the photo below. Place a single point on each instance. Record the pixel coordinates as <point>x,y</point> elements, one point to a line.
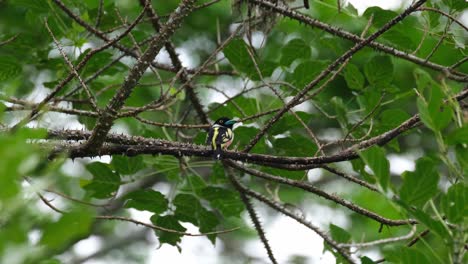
<point>5,42</point>
<point>159,228</point>
<point>381,241</point>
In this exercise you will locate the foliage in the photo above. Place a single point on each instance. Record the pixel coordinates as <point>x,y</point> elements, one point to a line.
<point>311,96</point>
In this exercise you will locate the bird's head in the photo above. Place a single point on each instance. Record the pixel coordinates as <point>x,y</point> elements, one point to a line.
<point>224,121</point>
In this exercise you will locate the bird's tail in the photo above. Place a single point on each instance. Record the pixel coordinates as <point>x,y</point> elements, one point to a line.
<point>217,152</point>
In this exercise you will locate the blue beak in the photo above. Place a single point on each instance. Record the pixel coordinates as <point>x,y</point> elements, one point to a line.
<point>231,122</point>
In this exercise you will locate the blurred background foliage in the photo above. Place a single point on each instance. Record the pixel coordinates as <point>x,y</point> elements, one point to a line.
<point>376,87</point>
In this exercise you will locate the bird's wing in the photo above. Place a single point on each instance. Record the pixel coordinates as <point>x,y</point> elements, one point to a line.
<point>225,135</point>
<point>209,137</point>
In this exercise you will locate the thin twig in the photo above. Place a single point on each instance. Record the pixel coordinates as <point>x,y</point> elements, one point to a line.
<point>5,42</point>
<point>159,228</point>
<point>381,241</point>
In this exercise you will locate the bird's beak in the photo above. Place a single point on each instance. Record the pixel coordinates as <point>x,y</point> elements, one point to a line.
<point>231,122</point>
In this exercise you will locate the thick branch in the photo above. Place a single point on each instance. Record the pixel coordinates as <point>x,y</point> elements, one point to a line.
<point>108,116</point>
<point>189,89</point>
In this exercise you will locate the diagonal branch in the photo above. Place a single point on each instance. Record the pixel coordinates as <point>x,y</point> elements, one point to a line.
<point>253,215</point>
<point>317,191</point>
<point>280,208</point>
<point>108,116</point>
<point>332,66</point>
<point>189,88</point>
<point>75,69</point>
<point>303,19</point>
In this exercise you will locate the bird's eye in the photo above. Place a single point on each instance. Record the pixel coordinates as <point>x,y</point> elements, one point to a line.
<point>221,121</point>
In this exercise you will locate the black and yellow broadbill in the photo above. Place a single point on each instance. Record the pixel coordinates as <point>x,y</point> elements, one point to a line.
<point>220,136</point>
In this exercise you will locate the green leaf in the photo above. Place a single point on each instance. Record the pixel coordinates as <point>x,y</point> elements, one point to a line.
<point>9,68</point>
<point>127,165</point>
<point>340,110</point>
<point>339,234</point>
<point>381,16</point>
<point>243,135</point>
<point>434,114</point>
<point>288,122</point>
<point>462,157</point>
<point>359,167</point>
<point>149,200</point>
<point>37,6</point>
<point>460,136</point>
<point>194,183</point>
<point>456,5</point>
<point>217,175</point>
<point>423,79</point>
<point>366,260</point>
<point>421,185</point>
<point>295,175</point>
<point>226,201</point>
<point>238,55</point>
<point>434,225</point>
<point>169,222</point>
<point>50,261</point>
<point>95,4</point>
<point>295,145</point>
<point>424,114</point>
<point>70,225</point>
<point>105,182</point>
<point>392,118</point>
<point>294,49</point>
<point>354,77</point>
<point>375,158</point>
<point>406,255</point>
<point>368,99</point>
<point>440,113</point>
<point>189,209</point>
<point>455,203</point>
<point>379,71</point>
<point>305,72</point>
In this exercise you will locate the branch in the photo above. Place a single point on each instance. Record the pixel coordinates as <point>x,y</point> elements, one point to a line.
<point>253,215</point>
<point>303,19</point>
<point>125,50</point>
<point>75,69</point>
<point>312,189</point>
<point>159,228</point>
<point>189,89</point>
<point>108,116</point>
<point>444,14</point>
<point>5,42</point>
<point>280,208</point>
<point>132,145</point>
<point>381,241</point>
<point>332,66</point>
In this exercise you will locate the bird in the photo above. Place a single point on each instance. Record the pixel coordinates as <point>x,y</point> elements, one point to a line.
<point>220,136</point>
